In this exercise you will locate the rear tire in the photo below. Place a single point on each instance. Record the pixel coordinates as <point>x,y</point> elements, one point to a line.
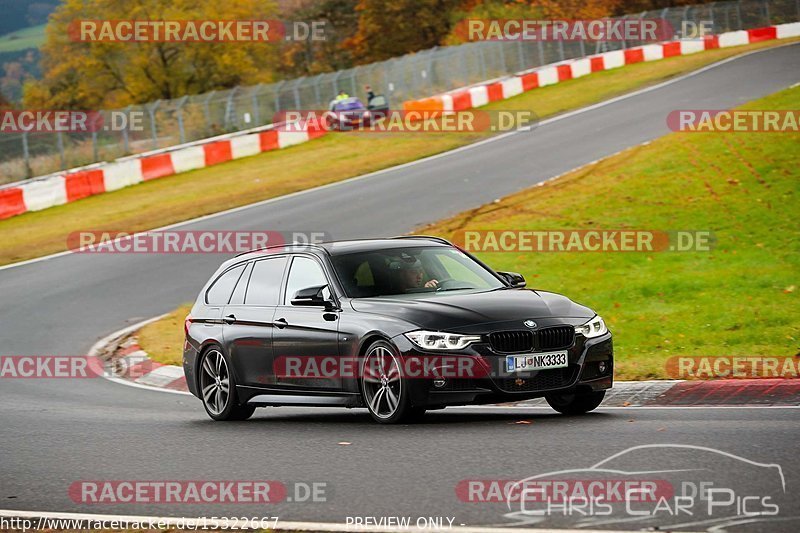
<point>218,388</point>
<point>575,404</point>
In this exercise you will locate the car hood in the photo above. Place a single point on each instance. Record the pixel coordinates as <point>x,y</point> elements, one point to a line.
<point>463,311</point>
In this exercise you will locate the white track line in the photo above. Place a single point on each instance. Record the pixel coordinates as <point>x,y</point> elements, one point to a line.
<point>429,158</point>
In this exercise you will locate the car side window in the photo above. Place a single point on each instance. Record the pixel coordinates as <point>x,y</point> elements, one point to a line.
<point>265,282</point>
<point>303,273</point>
<point>220,291</point>
<point>241,287</point>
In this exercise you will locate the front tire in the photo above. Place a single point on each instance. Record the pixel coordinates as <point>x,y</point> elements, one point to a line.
<point>218,388</point>
<point>575,404</point>
<point>383,387</point>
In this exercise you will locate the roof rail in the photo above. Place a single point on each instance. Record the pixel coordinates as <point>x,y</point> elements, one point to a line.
<point>429,237</point>
<point>284,245</point>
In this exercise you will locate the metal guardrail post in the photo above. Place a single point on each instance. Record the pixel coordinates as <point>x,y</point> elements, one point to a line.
<point>26,155</point>
<point>482,60</point>
<point>541,52</point>
<point>353,84</point>
<point>60,141</point>
<point>278,95</point>
<point>125,146</point>
<point>430,67</point>
<point>209,122</point>
<point>739,14</point>
<point>151,110</point>
<point>179,113</point>
<point>295,92</point>
<point>230,114</point>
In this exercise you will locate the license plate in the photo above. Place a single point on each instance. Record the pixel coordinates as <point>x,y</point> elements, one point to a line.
<point>536,361</point>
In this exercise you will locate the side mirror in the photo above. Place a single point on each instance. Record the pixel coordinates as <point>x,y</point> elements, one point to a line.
<point>312,297</point>
<point>513,279</point>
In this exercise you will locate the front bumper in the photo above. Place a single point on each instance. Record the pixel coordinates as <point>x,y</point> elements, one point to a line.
<point>492,384</point>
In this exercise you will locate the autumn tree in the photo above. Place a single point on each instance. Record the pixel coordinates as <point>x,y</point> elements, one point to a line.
<point>311,57</point>
<point>391,29</point>
<point>92,75</point>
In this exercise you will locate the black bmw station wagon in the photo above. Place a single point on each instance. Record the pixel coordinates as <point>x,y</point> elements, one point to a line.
<point>397,326</point>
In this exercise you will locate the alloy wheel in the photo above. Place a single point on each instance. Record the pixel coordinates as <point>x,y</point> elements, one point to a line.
<point>381,381</point>
<point>215,382</point>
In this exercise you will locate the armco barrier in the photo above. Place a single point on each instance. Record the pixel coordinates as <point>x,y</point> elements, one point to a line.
<point>515,84</point>
<point>72,185</point>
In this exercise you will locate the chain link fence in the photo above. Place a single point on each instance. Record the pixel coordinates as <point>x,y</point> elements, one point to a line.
<point>166,123</point>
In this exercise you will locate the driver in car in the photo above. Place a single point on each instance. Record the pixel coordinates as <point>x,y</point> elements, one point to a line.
<point>412,274</point>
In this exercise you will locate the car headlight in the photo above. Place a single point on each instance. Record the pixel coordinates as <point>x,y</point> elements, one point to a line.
<point>594,328</point>
<point>436,340</point>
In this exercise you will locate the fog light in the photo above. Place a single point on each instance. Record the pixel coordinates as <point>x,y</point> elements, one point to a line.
<point>439,383</point>
<point>601,367</point>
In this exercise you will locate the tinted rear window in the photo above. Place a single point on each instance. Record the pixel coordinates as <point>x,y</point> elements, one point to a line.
<point>220,292</point>
<point>265,282</point>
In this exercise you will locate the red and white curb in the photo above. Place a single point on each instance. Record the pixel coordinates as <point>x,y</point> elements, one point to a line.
<point>133,366</point>
<point>78,183</point>
<point>483,93</point>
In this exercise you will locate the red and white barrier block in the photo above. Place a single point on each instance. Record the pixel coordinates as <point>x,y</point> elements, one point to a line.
<point>40,193</point>
<point>495,90</point>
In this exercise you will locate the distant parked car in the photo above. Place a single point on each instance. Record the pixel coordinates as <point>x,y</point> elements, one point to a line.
<point>383,309</point>
<point>349,114</point>
<point>346,114</point>
<point>378,106</point>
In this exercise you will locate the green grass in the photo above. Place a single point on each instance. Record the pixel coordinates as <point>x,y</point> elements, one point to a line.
<point>741,298</point>
<point>32,37</point>
<point>329,159</point>
<point>163,339</point>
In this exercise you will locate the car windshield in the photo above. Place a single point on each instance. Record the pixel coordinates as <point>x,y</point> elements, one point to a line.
<point>351,104</point>
<point>417,270</point>
<point>377,101</point>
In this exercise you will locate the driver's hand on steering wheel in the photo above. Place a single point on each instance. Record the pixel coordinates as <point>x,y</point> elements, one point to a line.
<point>432,283</point>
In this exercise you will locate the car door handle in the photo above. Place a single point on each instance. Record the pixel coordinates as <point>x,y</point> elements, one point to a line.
<point>280,323</point>
<point>230,319</point>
